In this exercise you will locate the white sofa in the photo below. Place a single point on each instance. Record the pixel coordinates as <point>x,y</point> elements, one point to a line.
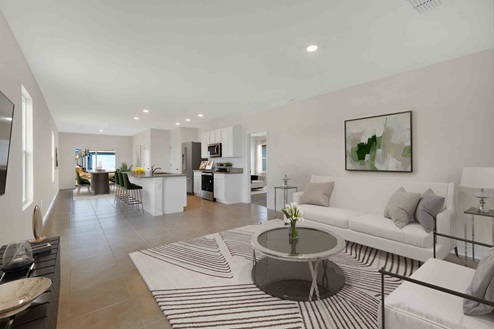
<point>257,183</point>
<point>356,210</point>
<point>412,306</point>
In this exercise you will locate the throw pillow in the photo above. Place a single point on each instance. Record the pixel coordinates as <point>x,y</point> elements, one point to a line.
<point>401,207</point>
<point>317,194</point>
<point>482,286</point>
<point>429,206</point>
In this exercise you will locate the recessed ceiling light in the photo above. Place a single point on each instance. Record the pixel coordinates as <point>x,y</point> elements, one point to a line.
<point>145,111</point>
<point>188,120</point>
<point>177,123</point>
<point>136,118</point>
<point>312,48</point>
<point>101,130</point>
<point>200,115</point>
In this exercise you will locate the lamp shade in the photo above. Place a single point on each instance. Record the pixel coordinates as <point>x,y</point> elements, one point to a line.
<point>478,177</point>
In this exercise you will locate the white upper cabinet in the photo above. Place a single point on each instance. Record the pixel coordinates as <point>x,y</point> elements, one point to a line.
<point>204,144</point>
<point>231,141</point>
<point>215,136</point>
<point>229,137</point>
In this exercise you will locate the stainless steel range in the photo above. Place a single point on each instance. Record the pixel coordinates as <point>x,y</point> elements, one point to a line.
<point>207,185</point>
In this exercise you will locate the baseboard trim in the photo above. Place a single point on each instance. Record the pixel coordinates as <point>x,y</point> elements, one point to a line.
<point>49,207</point>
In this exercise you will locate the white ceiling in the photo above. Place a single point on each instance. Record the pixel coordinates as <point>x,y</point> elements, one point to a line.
<point>99,63</point>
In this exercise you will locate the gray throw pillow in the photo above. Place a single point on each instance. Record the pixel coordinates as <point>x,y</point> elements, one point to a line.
<point>401,207</point>
<point>317,194</point>
<point>482,286</point>
<point>429,206</point>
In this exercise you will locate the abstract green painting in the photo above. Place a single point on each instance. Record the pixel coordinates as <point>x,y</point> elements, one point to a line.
<point>379,143</point>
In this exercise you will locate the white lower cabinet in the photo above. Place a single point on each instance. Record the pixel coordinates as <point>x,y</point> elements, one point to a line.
<point>228,188</point>
<point>197,183</point>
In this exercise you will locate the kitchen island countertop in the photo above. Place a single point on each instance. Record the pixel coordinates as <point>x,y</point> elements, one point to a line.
<point>155,175</point>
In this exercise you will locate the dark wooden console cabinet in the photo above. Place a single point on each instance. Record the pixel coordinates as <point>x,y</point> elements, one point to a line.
<point>44,310</point>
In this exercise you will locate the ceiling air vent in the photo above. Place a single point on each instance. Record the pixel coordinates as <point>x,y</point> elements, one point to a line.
<point>423,6</point>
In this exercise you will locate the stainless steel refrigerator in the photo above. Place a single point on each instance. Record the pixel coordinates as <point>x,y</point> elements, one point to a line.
<point>191,159</point>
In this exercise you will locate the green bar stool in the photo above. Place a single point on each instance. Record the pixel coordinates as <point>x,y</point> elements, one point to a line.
<point>117,188</point>
<point>133,194</point>
<point>121,191</point>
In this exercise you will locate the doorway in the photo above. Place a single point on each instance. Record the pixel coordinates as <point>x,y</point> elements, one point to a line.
<point>258,167</point>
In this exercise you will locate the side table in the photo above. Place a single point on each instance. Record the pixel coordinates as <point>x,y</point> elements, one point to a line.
<point>285,195</point>
<point>473,212</point>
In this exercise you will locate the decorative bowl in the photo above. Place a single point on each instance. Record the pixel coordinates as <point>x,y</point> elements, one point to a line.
<point>16,294</point>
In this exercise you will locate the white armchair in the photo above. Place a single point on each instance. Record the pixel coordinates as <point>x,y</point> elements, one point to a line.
<point>432,298</point>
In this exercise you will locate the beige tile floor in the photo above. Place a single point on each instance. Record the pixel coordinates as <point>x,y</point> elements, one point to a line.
<point>100,286</point>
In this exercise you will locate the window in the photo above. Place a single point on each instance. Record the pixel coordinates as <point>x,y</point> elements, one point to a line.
<point>261,159</point>
<point>103,159</point>
<point>92,159</point>
<point>27,148</point>
<point>52,157</point>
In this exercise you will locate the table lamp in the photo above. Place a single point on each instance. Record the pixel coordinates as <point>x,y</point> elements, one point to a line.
<point>479,178</point>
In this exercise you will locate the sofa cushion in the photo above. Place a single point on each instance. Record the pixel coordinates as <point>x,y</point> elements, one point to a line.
<point>380,226</point>
<point>329,215</point>
<point>317,193</point>
<point>401,207</point>
<point>410,301</point>
<point>482,286</point>
<point>429,206</point>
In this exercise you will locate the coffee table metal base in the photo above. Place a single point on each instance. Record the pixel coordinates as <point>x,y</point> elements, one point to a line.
<point>294,280</point>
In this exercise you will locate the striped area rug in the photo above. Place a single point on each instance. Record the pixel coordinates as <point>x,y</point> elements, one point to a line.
<point>206,283</point>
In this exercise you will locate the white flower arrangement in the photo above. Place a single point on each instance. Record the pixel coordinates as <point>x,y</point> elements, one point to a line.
<point>292,213</point>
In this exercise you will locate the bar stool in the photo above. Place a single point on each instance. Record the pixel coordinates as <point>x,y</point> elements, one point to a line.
<point>133,194</point>
<point>121,194</point>
<point>118,187</point>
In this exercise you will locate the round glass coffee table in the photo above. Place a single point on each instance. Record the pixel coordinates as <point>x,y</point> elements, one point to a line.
<point>297,269</point>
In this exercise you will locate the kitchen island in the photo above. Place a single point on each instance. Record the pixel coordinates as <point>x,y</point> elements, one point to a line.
<point>162,193</point>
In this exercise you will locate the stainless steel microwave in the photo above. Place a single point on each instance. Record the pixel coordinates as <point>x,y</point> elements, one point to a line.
<point>214,150</point>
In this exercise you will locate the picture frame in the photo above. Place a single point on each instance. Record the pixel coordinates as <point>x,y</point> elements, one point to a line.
<point>381,143</point>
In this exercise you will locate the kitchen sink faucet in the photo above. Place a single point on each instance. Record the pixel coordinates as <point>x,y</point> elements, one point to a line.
<point>154,169</point>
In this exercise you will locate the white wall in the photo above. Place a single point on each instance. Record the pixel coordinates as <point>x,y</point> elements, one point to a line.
<point>16,224</point>
<point>69,142</point>
<point>453,118</point>
<point>155,148</point>
<point>142,140</point>
<point>189,135</point>
<point>160,148</point>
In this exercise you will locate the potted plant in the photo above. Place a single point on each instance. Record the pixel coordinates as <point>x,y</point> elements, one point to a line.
<point>228,166</point>
<point>125,168</point>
